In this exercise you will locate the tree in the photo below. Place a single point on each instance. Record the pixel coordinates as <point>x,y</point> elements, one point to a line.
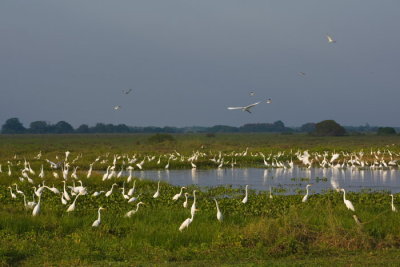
<point>386,131</point>
<point>63,127</point>
<point>13,126</point>
<point>84,128</point>
<point>329,128</point>
<point>308,127</point>
<point>39,127</point>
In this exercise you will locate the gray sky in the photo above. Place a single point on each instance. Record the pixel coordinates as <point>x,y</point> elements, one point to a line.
<point>186,61</point>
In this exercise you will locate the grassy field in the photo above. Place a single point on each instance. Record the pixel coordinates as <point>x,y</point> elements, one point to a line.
<point>264,231</point>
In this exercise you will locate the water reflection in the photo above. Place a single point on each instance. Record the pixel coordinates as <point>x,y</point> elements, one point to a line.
<point>351,179</point>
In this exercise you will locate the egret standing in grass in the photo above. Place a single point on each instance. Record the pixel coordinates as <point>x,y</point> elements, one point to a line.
<point>109,192</point>
<point>347,202</point>
<point>186,223</point>
<point>193,208</point>
<point>97,222</point>
<point>72,206</point>
<point>36,209</point>
<point>393,207</point>
<point>244,201</point>
<point>219,213</point>
<point>131,212</point>
<point>185,204</point>
<point>305,198</point>
<point>157,193</point>
<point>177,196</point>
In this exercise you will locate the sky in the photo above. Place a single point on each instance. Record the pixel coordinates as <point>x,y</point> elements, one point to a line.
<point>187,61</point>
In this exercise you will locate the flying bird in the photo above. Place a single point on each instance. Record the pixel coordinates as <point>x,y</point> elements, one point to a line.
<point>252,93</point>
<point>245,108</point>
<point>330,39</point>
<point>117,107</point>
<point>302,73</point>
<point>269,101</point>
<point>127,91</point>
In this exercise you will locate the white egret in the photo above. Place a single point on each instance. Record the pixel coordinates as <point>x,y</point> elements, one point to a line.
<point>347,202</point>
<point>65,193</point>
<point>109,192</point>
<point>186,223</point>
<point>18,191</point>
<point>270,193</point>
<point>393,207</point>
<point>117,107</point>
<point>306,195</point>
<point>131,212</point>
<point>185,204</point>
<point>269,101</point>
<point>179,194</point>
<point>193,208</point>
<point>219,213</point>
<point>30,204</point>
<point>157,193</point>
<point>132,190</point>
<point>244,201</point>
<point>133,199</point>
<point>245,108</point>
<point>97,222</point>
<point>36,209</point>
<point>97,193</point>
<point>11,192</point>
<point>63,201</point>
<point>72,206</point>
<point>330,39</point>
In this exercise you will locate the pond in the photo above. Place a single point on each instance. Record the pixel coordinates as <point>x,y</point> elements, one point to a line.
<point>287,181</point>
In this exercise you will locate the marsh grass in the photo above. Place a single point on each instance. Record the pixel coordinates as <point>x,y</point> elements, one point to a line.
<point>279,228</point>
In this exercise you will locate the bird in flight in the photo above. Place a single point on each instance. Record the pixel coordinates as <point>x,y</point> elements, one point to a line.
<point>302,73</point>
<point>117,107</point>
<point>330,39</point>
<point>269,101</point>
<point>127,91</point>
<point>246,108</point>
<point>251,93</point>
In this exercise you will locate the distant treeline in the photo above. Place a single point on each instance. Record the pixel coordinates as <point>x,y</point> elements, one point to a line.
<point>14,126</point>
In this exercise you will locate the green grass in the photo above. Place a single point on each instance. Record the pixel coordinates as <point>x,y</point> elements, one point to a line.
<point>273,232</point>
<point>281,230</point>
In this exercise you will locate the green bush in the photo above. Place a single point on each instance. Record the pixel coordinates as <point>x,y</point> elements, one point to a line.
<point>161,138</point>
<point>386,131</point>
<point>329,128</point>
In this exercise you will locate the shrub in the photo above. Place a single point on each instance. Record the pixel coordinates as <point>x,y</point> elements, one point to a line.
<point>329,128</point>
<point>160,138</point>
<point>386,131</point>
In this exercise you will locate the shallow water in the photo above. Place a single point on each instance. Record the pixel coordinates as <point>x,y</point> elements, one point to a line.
<point>290,180</point>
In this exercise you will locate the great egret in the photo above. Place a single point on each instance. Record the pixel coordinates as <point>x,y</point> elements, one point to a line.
<point>269,101</point>
<point>97,222</point>
<point>185,204</point>
<point>186,223</point>
<point>270,193</point>
<point>11,192</point>
<point>157,193</point>
<point>97,193</point>
<point>330,39</point>
<point>117,107</point>
<point>179,194</point>
<point>219,213</point>
<point>89,173</point>
<point>18,191</point>
<point>65,193</point>
<point>132,190</point>
<point>63,201</point>
<point>109,192</point>
<point>133,199</point>
<point>244,201</point>
<point>72,206</point>
<point>30,204</point>
<point>193,208</point>
<point>36,209</point>
<point>131,212</point>
<point>306,196</point>
<point>393,207</point>
<point>348,203</point>
<point>245,108</point>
